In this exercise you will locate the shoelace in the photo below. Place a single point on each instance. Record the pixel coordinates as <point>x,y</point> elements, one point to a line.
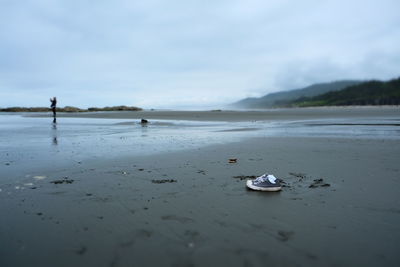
<point>261,179</point>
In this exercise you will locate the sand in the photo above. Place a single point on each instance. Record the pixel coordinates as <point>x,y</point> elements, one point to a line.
<point>191,207</point>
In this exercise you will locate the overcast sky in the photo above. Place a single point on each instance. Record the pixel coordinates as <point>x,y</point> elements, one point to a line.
<point>168,54</point>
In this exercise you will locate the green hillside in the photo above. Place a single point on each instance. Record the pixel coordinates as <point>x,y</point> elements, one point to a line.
<point>279,98</point>
<point>367,93</point>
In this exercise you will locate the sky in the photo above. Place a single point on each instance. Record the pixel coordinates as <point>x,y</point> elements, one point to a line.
<point>186,53</point>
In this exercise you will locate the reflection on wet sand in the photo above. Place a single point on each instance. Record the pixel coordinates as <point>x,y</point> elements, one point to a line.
<point>144,130</point>
<point>54,134</point>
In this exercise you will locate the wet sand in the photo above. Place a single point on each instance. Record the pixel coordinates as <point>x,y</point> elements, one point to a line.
<point>191,208</point>
<point>339,205</point>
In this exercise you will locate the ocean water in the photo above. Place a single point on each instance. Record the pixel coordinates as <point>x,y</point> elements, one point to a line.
<point>27,142</point>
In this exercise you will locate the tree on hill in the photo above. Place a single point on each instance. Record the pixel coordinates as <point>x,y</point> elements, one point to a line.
<point>282,98</point>
<point>367,93</point>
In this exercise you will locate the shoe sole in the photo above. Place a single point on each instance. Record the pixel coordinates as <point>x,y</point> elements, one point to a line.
<point>269,189</point>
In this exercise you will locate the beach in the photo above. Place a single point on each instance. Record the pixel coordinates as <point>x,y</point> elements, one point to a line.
<point>101,189</point>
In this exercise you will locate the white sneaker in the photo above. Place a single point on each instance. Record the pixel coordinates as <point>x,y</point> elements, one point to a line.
<point>266,182</point>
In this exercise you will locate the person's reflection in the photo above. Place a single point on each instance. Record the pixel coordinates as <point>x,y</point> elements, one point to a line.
<point>55,141</point>
<point>144,128</point>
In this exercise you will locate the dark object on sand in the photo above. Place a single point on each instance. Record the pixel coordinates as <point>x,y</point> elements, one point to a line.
<point>284,235</point>
<point>245,177</point>
<point>162,181</point>
<point>232,160</point>
<point>143,121</point>
<point>65,180</point>
<point>53,107</point>
<point>319,183</point>
<point>82,250</point>
<point>301,176</point>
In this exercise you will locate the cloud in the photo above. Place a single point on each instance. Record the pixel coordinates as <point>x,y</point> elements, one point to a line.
<point>173,53</point>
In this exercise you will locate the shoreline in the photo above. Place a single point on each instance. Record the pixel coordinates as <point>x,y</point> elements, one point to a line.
<point>242,115</point>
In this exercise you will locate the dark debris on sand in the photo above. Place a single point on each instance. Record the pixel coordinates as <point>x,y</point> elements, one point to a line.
<point>284,235</point>
<point>82,250</point>
<point>65,180</point>
<point>301,176</point>
<point>162,181</point>
<point>245,177</point>
<point>318,183</point>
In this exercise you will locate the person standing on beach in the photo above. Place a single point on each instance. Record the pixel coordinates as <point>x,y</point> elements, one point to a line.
<point>53,107</point>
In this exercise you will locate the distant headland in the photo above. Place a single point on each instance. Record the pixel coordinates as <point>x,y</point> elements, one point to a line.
<point>69,109</point>
<point>339,93</point>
